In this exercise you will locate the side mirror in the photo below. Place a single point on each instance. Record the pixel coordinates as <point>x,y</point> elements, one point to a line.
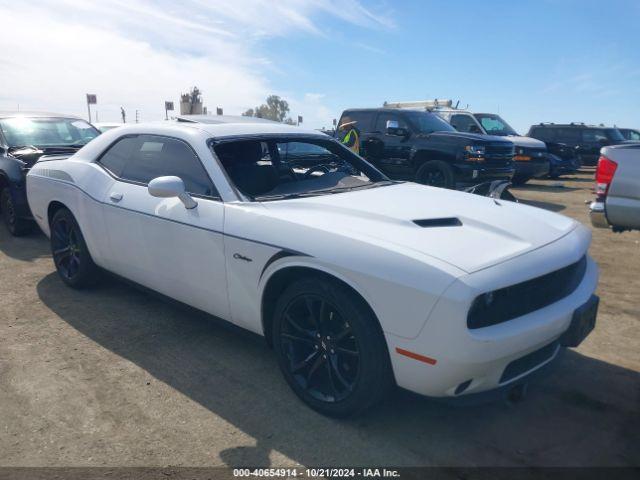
<point>394,128</point>
<point>169,187</point>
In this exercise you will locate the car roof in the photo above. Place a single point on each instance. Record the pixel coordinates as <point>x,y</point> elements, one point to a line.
<point>217,130</point>
<point>567,125</point>
<point>216,119</point>
<point>9,114</point>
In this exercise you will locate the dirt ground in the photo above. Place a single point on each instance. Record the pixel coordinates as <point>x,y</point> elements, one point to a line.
<point>117,377</point>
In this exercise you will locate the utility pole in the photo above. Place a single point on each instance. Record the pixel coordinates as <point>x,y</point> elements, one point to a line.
<point>124,115</point>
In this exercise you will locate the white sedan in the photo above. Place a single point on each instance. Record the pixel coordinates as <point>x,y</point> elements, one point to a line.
<point>358,282</point>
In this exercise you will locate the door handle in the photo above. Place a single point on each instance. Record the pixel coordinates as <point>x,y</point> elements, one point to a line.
<point>115,196</point>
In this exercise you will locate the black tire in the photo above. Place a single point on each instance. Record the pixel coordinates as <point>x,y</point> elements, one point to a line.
<point>436,173</point>
<point>337,376</point>
<point>16,226</point>
<point>70,253</point>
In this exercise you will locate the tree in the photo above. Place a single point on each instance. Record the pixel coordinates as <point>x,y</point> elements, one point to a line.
<point>275,108</point>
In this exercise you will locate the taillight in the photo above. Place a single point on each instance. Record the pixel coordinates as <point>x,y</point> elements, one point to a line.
<point>604,175</point>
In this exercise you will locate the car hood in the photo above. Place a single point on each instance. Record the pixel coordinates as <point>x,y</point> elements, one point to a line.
<point>490,231</point>
<point>475,137</point>
<point>527,142</point>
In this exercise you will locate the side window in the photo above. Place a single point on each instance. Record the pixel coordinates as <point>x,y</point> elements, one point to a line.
<point>117,156</point>
<point>544,134</point>
<point>568,135</point>
<point>381,122</point>
<point>145,157</point>
<point>363,120</point>
<point>593,135</point>
<point>463,123</point>
<point>634,135</point>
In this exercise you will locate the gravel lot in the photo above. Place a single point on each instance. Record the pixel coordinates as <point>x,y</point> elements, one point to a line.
<point>115,376</point>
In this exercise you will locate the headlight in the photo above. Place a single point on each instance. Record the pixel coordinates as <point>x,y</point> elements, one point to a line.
<point>474,150</point>
<point>519,151</point>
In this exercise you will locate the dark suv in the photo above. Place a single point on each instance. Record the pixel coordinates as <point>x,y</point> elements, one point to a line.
<point>421,147</point>
<point>24,138</point>
<point>585,140</point>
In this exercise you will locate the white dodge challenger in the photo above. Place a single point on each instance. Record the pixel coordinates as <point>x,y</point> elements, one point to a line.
<point>358,282</point>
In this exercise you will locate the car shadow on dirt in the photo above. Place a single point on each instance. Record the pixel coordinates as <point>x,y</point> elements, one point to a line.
<point>27,248</point>
<point>553,207</point>
<point>582,413</point>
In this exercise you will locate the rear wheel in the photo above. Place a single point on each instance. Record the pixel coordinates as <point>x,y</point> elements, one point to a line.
<point>70,253</point>
<point>436,173</point>
<point>16,226</point>
<point>330,348</point>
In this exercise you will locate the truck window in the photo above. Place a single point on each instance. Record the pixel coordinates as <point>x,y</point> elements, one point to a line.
<point>381,122</point>
<point>364,119</point>
<point>463,123</point>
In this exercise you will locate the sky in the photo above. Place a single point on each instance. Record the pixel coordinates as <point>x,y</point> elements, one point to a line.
<point>529,61</point>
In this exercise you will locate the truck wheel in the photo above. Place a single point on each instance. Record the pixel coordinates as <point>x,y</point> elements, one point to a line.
<point>70,253</point>
<point>436,173</point>
<point>16,226</point>
<point>330,348</point>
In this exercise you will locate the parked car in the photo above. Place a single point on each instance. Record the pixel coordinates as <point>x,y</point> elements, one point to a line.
<point>531,159</point>
<point>562,161</point>
<point>586,140</point>
<point>617,203</point>
<point>421,147</point>
<point>630,134</point>
<point>25,137</point>
<point>358,282</point>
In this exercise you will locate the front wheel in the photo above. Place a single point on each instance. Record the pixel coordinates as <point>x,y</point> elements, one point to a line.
<point>330,348</point>
<point>436,173</point>
<point>70,253</point>
<point>16,226</point>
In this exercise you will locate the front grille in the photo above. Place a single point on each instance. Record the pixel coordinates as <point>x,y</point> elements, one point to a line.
<point>528,362</point>
<point>498,154</point>
<point>511,302</point>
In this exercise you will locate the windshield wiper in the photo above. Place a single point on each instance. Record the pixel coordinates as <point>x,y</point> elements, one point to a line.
<point>22,147</point>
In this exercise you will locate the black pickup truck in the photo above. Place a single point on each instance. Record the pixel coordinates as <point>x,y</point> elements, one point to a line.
<point>421,147</point>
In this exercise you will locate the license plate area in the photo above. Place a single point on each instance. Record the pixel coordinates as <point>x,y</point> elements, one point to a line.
<point>582,323</point>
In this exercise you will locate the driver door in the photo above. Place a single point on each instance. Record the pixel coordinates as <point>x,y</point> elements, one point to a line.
<point>157,242</point>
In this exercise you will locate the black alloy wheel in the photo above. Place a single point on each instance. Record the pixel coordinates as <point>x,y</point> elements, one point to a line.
<point>70,253</point>
<point>330,347</point>
<point>321,350</point>
<point>436,173</point>
<point>66,251</point>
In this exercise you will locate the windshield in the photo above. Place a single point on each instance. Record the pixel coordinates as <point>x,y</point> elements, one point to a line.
<point>494,125</point>
<point>425,122</point>
<point>278,168</point>
<point>614,135</point>
<point>47,132</point>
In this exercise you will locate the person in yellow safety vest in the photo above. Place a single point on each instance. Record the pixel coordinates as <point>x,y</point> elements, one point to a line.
<point>351,139</point>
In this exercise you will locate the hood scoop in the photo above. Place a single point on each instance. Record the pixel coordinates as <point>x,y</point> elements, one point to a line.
<point>439,222</point>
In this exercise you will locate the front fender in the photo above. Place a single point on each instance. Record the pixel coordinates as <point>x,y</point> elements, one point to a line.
<point>401,310</point>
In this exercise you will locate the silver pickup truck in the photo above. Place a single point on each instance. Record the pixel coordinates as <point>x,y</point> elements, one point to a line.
<point>617,203</point>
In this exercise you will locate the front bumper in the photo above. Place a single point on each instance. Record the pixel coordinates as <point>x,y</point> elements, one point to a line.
<point>472,174</point>
<point>532,169</point>
<point>479,359</point>
<point>597,215</point>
